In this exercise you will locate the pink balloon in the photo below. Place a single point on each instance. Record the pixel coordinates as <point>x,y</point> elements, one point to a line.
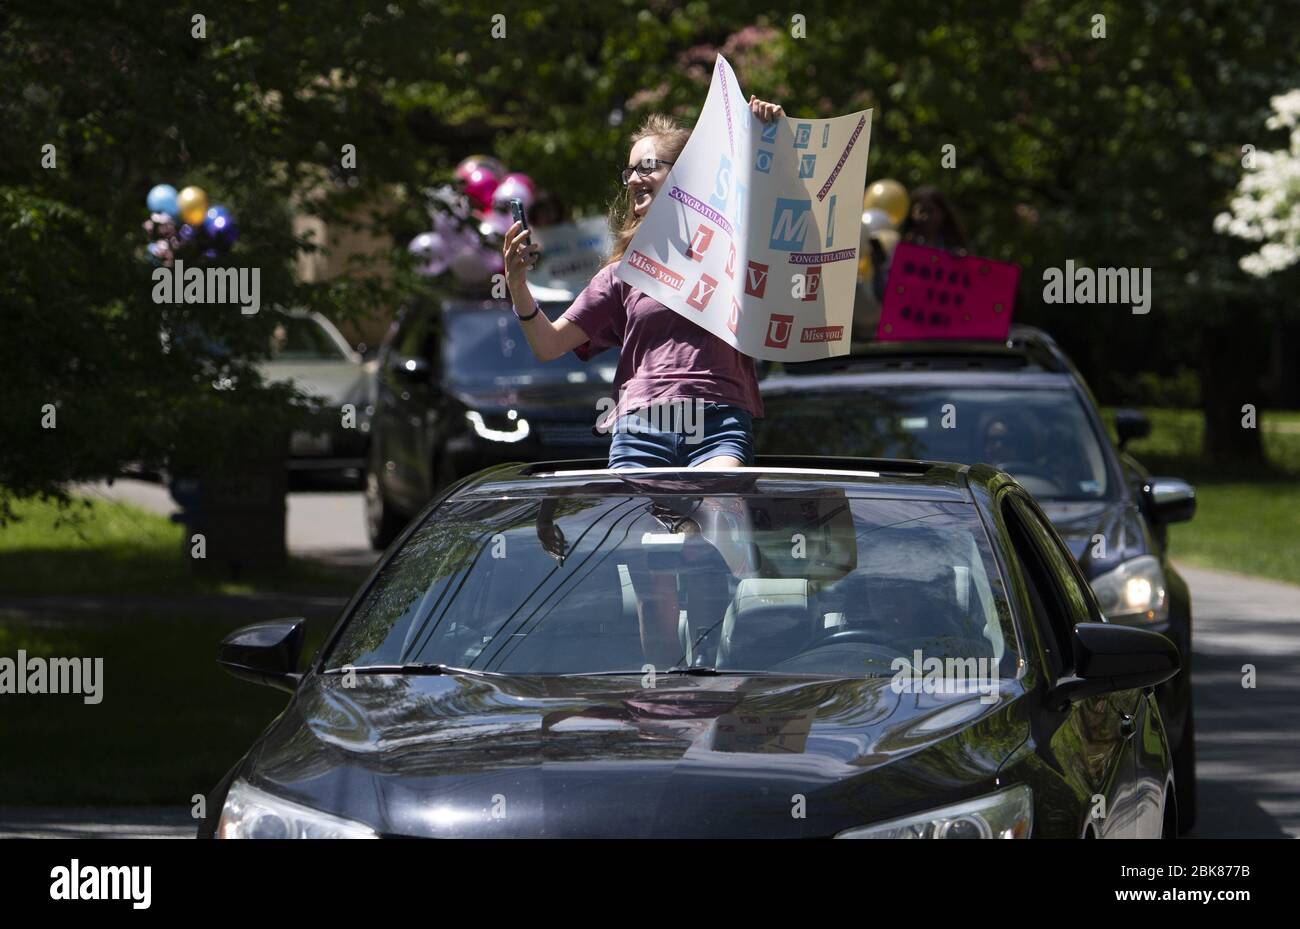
<point>468,165</point>
<point>514,187</point>
<point>479,187</point>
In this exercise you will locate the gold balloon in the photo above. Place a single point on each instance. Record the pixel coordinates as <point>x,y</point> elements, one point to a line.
<point>890,196</point>
<point>193,205</point>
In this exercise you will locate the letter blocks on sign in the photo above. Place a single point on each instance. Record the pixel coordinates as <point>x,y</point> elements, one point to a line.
<point>702,292</point>
<point>790,222</point>
<point>779,327</point>
<point>700,242</point>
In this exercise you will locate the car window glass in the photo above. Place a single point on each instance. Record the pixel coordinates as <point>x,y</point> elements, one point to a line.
<point>819,584</point>
<point>484,347</point>
<point>302,339</point>
<point>1050,607</point>
<point>1042,437</point>
<point>1074,586</point>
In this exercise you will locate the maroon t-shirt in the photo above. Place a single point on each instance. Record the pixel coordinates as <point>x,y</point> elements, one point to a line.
<point>664,355</point>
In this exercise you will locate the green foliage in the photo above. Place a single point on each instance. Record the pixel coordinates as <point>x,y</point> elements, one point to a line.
<point>1114,151</point>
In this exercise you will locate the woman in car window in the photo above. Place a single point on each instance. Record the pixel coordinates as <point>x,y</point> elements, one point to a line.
<point>931,221</point>
<point>683,397</point>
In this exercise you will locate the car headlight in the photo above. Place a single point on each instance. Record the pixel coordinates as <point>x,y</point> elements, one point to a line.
<point>250,813</point>
<point>1007,814</point>
<point>514,429</point>
<point>1133,592</point>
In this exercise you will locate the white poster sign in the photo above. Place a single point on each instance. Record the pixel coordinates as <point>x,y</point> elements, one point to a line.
<point>571,254</point>
<point>754,233</point>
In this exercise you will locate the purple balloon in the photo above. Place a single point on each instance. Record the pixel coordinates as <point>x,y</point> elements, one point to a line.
<point>475,264</point>
<point>430,251</point>
<point>220,226</point>
<point>495,223</point>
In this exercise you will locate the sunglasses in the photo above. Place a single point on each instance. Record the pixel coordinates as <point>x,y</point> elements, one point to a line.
<point>645,168</point>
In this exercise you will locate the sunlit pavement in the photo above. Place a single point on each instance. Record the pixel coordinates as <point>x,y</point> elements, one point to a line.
<point>1248,739</point>
<point>96,823</point>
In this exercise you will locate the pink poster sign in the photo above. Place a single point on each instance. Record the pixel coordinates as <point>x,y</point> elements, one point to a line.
<point>934,294</point>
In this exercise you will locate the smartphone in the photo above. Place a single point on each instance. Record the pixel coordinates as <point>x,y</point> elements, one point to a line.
<point>517,211</point>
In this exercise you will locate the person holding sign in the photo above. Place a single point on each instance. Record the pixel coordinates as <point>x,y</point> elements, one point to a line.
<point>685,398</point>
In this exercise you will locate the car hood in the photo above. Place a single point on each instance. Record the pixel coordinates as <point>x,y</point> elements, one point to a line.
<point>445,756</point>
<point>1118,522</point>
<point>337,381</point>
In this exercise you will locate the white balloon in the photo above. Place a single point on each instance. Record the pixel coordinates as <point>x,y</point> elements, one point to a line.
<point>874,221</point>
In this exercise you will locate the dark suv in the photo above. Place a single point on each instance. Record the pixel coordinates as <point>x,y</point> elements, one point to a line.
<point>457,390</point>
<point>1022,406</point>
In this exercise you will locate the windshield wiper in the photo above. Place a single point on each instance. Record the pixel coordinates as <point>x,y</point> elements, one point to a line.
<point>687,671</point>
<point>412,669</point>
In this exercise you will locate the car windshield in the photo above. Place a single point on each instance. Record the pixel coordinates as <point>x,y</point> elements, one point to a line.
<point>484,347</point>
<point>812,583</point>
<point>298,338</point>
<point>1042,437</point>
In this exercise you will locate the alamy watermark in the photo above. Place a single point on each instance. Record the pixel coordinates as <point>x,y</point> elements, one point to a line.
<point>34,675</point>
<point>179,284</point>
<point>1101,285</point>
<point>679,415</point>
<point>933,675</point>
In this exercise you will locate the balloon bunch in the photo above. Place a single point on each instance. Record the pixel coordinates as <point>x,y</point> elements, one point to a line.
<point>470,219</point>
<point>884,207</point>
<point>185,225</point>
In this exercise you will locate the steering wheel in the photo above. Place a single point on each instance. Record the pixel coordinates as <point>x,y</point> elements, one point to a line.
<point>861,636</point>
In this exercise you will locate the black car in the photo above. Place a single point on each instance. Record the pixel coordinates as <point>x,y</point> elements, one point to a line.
<point>458,389</point>
<point>847,648</point>
<point>1023,407</point>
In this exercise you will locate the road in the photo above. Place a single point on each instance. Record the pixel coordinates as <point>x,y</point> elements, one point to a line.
<point>1248,737</point>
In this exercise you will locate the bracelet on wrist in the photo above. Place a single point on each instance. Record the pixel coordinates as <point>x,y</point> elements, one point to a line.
<point>524,319</point>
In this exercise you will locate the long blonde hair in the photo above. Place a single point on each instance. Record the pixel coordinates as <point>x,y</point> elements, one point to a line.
<point>671,138</point>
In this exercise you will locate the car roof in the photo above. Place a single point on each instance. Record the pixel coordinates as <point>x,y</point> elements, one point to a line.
<point>1031,380</point>
<point>773,474</point>
<point>1025,350</point>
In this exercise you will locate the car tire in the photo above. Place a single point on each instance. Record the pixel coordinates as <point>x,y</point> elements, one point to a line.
<point>1185,775</point>
<point>383,524</point>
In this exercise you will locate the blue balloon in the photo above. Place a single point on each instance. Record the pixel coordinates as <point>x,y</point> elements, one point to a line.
<point>162,199</point>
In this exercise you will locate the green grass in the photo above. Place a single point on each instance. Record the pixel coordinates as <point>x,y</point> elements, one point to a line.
<point>171,722</point>
<point>109,548</point>
<point>1249,523</point>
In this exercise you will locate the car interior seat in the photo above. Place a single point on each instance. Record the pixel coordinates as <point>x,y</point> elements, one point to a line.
<point>768,621</point>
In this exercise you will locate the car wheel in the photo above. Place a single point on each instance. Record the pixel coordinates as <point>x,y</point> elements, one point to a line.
<point>382,523</point>
<point>1185,775</point>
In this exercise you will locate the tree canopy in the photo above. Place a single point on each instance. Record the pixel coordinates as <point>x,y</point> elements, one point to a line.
<point>1116,149</point>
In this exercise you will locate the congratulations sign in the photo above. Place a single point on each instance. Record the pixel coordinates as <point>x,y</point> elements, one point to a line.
<point>754,234</point>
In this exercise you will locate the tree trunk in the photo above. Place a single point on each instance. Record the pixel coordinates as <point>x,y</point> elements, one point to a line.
<point>1233,360</point>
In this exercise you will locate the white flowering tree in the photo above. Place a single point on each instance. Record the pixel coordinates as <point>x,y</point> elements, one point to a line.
<point>1266,205</point>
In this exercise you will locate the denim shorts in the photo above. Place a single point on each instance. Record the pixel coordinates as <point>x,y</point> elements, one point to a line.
<point>681,434</point>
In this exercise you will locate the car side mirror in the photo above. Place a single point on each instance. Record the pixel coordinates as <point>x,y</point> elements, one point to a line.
<point>1109,657</point>
<point>1169,499</point>
<point>265,653</point>
<point>1131,424</point>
